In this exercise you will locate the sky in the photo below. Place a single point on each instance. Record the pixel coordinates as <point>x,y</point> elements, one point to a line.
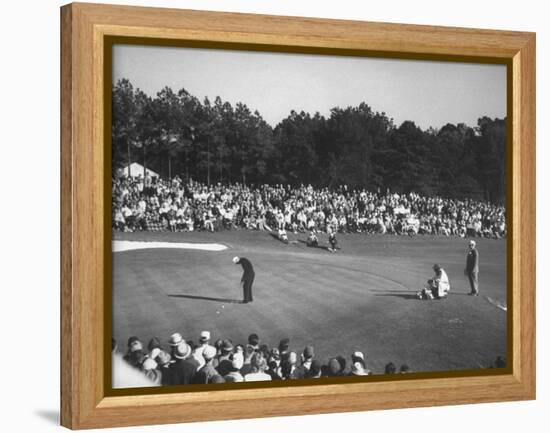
<point>429,93</point>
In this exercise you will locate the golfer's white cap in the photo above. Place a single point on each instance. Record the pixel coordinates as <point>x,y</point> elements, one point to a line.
<point>472,242</point>
<point>235,260</point>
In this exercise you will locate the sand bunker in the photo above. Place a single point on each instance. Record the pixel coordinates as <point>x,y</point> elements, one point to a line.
<point>119,246</point>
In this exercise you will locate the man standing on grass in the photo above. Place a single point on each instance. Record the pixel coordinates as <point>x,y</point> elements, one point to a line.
<point>247,278</point>
<point>472,268</point>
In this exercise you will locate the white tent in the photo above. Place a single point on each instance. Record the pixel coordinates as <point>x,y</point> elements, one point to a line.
<point>136,170</point>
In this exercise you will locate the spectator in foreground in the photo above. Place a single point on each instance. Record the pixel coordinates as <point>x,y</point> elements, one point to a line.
<point>183,369</point>
<point>314,370</point>
<point>259,365</point>
<point>207,371</point>
<point>234,374</point>
<point>390,368</point>
<point>163,360</point>
<point>405,369</point>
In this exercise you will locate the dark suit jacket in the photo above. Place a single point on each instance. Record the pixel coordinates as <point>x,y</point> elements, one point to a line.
<point>183,371</point>
<point>472,261</point>
<point>247,268</point>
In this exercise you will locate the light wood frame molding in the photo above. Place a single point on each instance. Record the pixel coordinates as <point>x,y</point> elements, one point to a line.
<point>84,403</point>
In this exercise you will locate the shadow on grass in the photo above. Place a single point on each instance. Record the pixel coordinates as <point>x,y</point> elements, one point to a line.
<point>208,298</point>
<point>321,247</point>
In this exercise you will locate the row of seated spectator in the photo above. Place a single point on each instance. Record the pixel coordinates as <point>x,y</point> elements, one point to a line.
<point>174,205</point>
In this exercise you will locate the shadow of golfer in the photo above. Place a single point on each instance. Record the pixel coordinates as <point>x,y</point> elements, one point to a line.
<point>208,298</point>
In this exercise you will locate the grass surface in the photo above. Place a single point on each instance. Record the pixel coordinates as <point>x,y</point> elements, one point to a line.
<point>360,298</point>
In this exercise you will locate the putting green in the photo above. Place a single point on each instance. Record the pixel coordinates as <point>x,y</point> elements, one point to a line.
<point>360,298</point>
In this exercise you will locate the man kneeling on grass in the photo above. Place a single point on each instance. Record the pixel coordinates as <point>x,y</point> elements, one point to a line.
<point>438,286</point>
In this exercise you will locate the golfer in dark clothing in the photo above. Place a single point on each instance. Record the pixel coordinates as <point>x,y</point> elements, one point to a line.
<point>472,268</point>
<point>248,277</point>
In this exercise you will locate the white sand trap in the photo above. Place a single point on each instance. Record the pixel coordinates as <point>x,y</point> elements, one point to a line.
<point>119,246</point>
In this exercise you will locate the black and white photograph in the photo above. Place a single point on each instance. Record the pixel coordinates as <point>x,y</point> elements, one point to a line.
<point>289,216</point>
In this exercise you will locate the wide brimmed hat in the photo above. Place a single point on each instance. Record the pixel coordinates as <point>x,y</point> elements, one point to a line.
<point>175,339</point>
<point>227,346</point>
<point>183,350</point>
<point>209,352</point>
<point>356,356</point>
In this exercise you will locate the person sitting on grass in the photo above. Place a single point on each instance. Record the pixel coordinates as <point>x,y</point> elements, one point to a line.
<point>312,240</point>
<point>282,235</point>
<point>438,286</point>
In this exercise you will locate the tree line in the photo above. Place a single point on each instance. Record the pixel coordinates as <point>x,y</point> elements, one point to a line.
<point>177,134</point>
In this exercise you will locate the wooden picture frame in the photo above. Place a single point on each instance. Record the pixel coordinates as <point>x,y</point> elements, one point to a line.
<point>84,215</point>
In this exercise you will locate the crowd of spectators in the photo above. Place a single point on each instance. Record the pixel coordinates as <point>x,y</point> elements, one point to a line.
<point>183,362</point>
<point>156,204</point>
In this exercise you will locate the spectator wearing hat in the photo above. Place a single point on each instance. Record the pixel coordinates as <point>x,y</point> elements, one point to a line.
<point>259,366</point>
<point>207,371</point>
<point>149,368</point>
<point>164,361</point>
<point>204,342</point>
<point>183,368</point>
<point>234,374</point>
<point>223,364</point>
<point>174,340</point>
<point>472,268</point>
<point>247,279</point>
